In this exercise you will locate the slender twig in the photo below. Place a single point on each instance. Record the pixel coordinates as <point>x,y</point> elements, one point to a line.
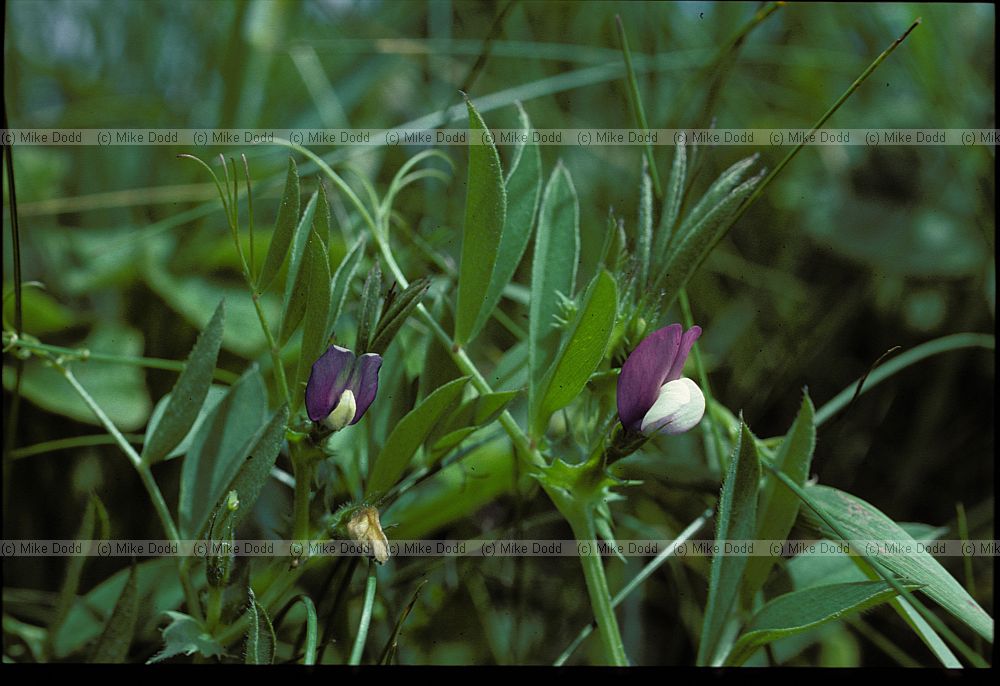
<point>366,616</point>
<point>84,354</point>
<point>155,495</point>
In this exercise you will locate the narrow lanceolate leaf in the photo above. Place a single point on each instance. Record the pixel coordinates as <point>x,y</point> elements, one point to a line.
<point>778,507</point>
<point>396,313</point>
<point>644,228</point>
<point>582,351</point>
<point>188,393</point>
<point>671,203</point>
<point>314,333</point>
<point>218,451</point>
<point>294,305</point>
<point>284,228</point>
<point>716,193</point>
<point>688,251</point>
<point>470,416</point>
<point>800,611</point>
<point>371,300</point>
<point>553,271</point>
<point>409,434</point>
<point>860,521</point>
<point>737,521</point>
<point>256,469</point>
<point>260,640</point>
<point>74,569</point>
<point>341,285</point>
<point>114,642</point>
<point>524,188</point>
<point>485,214</point>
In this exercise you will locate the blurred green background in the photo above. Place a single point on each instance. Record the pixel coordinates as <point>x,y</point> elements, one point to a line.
<point>852,251</point>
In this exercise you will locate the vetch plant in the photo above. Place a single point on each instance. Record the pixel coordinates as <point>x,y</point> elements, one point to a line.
<point>484,384</point>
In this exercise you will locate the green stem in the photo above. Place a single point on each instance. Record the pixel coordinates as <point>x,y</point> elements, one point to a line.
<point>84,355</point>
<point>597,587</point>
<point>155,495</point>
<point>279,368</point>
<point>305,468</point>
<point>366,617</point>
<point>822,120</point>
<point>640,113</point>
<point>70,443</point>
<point>955,341</point>
<point>703,379</point>
<point>637,581</point>
<point>214,610</point>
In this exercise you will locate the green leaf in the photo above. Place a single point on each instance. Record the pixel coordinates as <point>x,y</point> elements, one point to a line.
<point>396,313</point>
<point>314,332</point>
<point>690,247</point>
<point>860,521</point>
<point>371,300</point>
<point>185,635</point>
<point>737,521</point>
<point>553,271</point>
<point>158,592</point>
<point>716,193</point>
<point>800,611</point>
<point>582,351</point>
<point>218,451</point>
<point>485,215</point>
<point>119,389</point>
<point>806,571</point>
<point>342,282</point>
<point>256,469</point>
<point>296,280</point>
<point>117,637</point>
<point>212,398</point>
<point>260,641</point>
<point>524,187</point>
<point>188,394</point>
<point>74,568</point>
<point>411,431</point>
<point>284,228</point>
<point>671,203</point>
<point>470,416</point>
<point>644,228</point>
<point>778,507</point>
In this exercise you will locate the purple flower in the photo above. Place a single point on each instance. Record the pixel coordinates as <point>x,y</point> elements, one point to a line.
<point>652,395</point>
<point>341,387</point>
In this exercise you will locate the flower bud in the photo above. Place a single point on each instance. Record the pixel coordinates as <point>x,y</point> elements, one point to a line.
<point>678,408</point>
<point>364,527</point>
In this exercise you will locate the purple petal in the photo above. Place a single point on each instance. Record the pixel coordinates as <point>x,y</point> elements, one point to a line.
<point>330,376</point>
<point>644,372</point>
<point>364,382</point>
<point>687,340</point>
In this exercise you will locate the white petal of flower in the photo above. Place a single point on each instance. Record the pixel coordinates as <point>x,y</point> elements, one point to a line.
<point>679,408</point>
<point>343,413</point>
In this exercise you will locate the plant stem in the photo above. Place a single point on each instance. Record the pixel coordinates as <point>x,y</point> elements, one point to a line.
<point>155,495</point>
<point>279,369</point>
<point>637,580</point>
<point>366,617</point>
<point>84,355</point>
<point>938,345</point>
<point>582,524</point>
<point>305,467</point>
